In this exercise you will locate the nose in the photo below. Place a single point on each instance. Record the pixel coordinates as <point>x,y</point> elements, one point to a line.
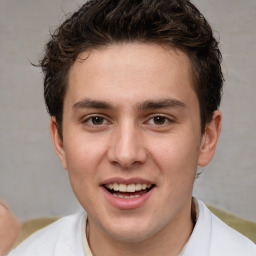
<point>126,147</point>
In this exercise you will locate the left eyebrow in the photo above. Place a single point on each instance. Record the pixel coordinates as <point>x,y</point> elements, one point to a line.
<point>90,103</point>
<point>165,103</point>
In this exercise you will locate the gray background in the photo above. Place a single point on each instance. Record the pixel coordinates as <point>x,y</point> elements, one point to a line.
<point>32,180</point>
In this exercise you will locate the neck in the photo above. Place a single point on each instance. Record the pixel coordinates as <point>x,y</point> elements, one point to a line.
<point>169,241</point>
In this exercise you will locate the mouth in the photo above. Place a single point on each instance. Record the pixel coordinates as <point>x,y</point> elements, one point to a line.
<point>128,191</point>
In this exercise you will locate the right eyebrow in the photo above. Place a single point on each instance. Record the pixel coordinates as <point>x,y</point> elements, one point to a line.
<point>162,103</point>
<point>89,103</point>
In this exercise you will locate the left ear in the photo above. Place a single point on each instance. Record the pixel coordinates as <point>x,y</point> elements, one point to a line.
<point>210,139</point>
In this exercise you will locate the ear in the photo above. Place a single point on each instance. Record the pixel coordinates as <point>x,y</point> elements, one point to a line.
<point>210,139</point>
<point>57,142</point>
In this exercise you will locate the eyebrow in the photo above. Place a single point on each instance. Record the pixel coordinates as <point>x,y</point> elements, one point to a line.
<point>89,103</point>
<point>165,103</point>
<point>148,104</point>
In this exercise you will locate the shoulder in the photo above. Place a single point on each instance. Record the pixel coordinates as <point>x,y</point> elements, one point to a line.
<point>61,238</point>
<point>225,240</point>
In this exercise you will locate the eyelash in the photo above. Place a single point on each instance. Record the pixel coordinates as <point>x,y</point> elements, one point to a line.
<point>165,120</point>
<point>89,120</point>
<point>103,121</point>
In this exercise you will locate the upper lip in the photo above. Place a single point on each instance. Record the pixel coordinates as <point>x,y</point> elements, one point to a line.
<point>119,180</point>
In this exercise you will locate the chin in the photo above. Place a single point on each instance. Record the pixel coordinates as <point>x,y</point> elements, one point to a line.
<point>130,236</point>
<point>132,233</point>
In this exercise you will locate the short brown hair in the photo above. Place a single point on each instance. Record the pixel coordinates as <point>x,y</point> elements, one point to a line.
<point>175,23</point>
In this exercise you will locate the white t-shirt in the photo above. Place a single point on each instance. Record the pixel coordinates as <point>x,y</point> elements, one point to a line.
<point>66,237</point>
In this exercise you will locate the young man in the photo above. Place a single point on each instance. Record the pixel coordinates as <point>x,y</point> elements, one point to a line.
<point>133,90</point>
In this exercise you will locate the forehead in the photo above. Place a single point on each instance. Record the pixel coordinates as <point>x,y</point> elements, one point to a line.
<point>131,70</point>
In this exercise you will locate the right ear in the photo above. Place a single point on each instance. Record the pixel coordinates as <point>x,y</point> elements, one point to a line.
<point>57,142</point>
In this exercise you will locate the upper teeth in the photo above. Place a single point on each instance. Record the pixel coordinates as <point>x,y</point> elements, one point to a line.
<point>128,188</point>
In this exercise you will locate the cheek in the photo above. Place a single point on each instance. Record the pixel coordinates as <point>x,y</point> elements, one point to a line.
<point>81,167</point>
<point>177,155</point>
<point>82,161</point>
<point>83,154</point>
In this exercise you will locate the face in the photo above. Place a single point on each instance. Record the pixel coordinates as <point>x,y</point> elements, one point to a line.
<point>132,139</point>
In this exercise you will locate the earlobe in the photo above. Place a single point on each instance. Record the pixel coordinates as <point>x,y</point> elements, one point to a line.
<point>210,139</point>
<point>57,142</point>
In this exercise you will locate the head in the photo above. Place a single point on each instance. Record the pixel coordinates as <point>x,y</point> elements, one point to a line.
<point>173,24</point>
<point>133,88</point>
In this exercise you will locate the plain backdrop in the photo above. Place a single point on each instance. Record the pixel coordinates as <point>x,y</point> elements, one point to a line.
<point>32,180</point>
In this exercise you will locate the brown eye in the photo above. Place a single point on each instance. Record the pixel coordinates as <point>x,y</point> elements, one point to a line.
<point>159,120</point>
<point>97,120</point>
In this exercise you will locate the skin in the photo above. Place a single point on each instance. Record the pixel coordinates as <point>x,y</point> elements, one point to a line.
<point>9,229</point>
<point>160,142</point>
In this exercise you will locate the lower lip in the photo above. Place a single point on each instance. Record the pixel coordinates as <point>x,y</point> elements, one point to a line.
<point>127,203</point>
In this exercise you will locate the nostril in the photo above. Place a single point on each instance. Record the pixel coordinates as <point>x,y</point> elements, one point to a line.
<point>128,158</point>
<point>126,146</point>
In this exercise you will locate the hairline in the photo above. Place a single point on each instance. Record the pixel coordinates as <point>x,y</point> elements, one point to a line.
<point>195,78</point>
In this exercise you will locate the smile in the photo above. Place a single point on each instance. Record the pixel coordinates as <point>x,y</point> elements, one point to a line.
<point>129,191</point>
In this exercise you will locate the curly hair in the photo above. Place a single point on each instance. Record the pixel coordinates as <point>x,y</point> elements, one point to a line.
<point>173,23</point>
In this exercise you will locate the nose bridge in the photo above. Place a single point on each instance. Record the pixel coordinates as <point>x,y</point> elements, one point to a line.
<point>127,146</point>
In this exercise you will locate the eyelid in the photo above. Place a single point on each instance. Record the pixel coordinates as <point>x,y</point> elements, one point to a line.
<point>161,115</point>
<point>168,118</point>
<point>86,118</point>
